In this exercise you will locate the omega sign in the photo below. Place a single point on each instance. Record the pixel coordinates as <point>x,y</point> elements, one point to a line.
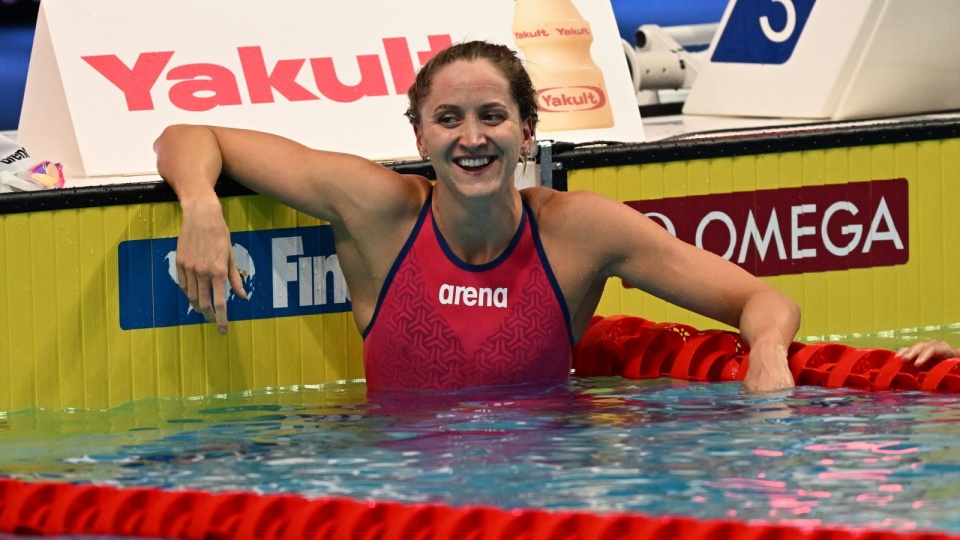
<point>795,230</point>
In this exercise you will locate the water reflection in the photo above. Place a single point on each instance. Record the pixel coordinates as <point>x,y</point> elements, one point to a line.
<point>812,456</point>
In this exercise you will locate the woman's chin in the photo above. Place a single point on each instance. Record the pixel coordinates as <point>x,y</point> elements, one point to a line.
<point>481,186</point>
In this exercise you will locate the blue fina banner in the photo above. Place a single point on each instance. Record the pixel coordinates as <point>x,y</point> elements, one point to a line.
<point>285,272</point>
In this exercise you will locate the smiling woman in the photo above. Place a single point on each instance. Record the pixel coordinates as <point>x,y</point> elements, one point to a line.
<point>404,242</point>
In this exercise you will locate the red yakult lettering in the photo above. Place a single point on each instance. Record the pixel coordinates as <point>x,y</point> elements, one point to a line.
<point>135,82</point>
<point>372,81</point>
<point>571,98</point>
<point>795,230</point>
<point>203,86</point>
<point>582,31</point>
<point>530,34</point>
<point>261,84</point>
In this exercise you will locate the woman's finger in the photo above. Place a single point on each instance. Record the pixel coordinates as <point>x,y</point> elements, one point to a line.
<point>204,284</point>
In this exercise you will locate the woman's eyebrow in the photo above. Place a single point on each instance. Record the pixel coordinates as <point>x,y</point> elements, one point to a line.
<point>446,108</point>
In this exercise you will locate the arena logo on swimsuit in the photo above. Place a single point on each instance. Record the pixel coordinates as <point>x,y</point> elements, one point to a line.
<point>205,86</point>
<point>286,272</point>
<point>795,230</point>
<point>471,296</point>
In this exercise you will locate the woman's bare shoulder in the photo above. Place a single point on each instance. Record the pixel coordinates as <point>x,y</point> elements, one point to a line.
<point>561,208</point>
<point>392,196</point>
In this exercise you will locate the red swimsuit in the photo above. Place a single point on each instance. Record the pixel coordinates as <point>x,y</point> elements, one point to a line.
<point>441,323</point>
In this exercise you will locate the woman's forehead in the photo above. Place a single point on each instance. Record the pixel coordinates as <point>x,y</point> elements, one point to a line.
<point>469,77</point>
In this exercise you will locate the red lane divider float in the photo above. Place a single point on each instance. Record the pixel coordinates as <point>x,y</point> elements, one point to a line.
<point>65,509</point>
<point>636,348</point>
<point>632,347</point>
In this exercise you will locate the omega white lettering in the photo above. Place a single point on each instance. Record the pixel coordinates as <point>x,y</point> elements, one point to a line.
<point>667,223</point>
<point>883,214</point>
<point>472,296</point>
<point>722,218</point>
<point>752,233</point>
<point>798,231</point>
<point>855,229</point>
<point>882,229</point>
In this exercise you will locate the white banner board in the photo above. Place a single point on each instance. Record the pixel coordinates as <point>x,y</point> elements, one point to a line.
<point>106,76</point>
<point>831,59</point>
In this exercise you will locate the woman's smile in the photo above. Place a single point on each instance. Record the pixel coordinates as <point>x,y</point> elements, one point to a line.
<point>474,164</point>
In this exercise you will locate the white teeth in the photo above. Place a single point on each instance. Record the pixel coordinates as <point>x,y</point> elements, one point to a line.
<point>473,162</point>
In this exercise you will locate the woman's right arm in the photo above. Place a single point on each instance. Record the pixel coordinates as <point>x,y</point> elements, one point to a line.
<point>319,183</point>
<point>322,184</point>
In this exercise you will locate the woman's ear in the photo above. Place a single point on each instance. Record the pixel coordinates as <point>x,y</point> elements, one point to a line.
<point>419,137</point>
<point>526,146</point>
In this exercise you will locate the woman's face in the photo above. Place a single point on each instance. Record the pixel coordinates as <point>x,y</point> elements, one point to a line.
<point>470,128</point>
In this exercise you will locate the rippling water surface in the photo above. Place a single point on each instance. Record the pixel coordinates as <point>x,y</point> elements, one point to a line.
<point>813,456</point>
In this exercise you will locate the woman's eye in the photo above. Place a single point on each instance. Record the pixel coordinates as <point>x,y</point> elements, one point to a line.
<point>448,120</point>
<point>493,118</point>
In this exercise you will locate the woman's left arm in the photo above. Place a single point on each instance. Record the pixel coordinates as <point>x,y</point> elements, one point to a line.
<point>769,321</point>
<point>645,255</point>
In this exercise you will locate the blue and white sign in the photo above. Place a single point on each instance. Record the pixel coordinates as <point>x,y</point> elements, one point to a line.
<point>286,272</point>
<point>831,59</point>
<point>762,31</point>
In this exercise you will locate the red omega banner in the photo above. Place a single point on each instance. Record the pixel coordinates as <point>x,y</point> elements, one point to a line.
<point>795,230</point>
<point>106,76</point>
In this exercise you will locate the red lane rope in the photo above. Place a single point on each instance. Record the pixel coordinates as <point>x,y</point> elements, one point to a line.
<point>628,346</point>
<point>66,509</point>
<point>636,348</point>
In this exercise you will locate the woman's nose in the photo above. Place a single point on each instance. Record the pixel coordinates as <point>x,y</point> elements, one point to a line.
<point>473,134</point>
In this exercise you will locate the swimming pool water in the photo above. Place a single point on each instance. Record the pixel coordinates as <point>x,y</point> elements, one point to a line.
<point>887,460</point>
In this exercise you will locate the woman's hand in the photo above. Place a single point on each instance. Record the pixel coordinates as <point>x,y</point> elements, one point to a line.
<point>921,353</point>
<point>205,260</point>
<point>768,371</point>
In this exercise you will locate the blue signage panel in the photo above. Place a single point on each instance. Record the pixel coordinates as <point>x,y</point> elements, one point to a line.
<point>285,272</point>
<point>762,31</point>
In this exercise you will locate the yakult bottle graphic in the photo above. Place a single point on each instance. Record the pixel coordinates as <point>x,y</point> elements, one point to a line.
<point>555,40</point>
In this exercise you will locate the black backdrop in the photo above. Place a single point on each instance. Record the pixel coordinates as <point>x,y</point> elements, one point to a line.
<point>18,12</point>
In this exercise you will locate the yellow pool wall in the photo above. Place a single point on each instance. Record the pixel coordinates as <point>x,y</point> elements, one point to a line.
<point>883,305</point>
<point>61,344</point>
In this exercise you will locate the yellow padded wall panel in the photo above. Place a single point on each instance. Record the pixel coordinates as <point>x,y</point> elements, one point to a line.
<point>951,224</point>
<point>61,345</point>
<point>878,306</point>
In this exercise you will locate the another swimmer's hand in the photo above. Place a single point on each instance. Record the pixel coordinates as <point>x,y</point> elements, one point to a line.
<point>768,371</point>
<point>205,260</point>
<point>921,353</point>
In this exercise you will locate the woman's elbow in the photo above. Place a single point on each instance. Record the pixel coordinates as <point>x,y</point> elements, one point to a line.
<point>173,132</point>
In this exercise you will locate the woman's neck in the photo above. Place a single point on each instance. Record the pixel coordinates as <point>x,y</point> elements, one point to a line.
<point>477,231</point>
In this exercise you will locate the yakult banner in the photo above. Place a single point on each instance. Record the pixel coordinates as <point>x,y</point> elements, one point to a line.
<point>106,76</point>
